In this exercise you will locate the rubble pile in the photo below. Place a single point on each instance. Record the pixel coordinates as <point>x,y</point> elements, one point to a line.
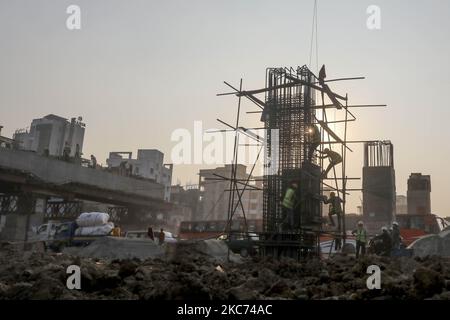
<point>39,275</point>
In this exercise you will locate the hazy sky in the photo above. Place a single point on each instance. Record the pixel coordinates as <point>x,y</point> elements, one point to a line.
<point>137,70</point>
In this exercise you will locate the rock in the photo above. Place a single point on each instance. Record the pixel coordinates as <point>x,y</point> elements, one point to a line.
<point>443,296</point>
<point>3,289</point>
<point>47,288</point>
<point>280,288</point>
<point>19,291</point>
<point>242,293</point>
<point>127,268</point>
<point>427,282</point>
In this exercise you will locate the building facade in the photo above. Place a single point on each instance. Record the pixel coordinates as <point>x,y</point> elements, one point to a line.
<point>401,204</point>
<point>149,164</point>
<point>52,134</point>
<point>419,194</point>
<point>214,195</point>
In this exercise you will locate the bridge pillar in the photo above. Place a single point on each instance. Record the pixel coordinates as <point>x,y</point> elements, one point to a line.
<point>19,213</point>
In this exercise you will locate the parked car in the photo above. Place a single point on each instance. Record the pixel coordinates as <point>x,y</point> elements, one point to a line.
<point>327,247</point>
<point>242,243</point>
<point>142,234</point>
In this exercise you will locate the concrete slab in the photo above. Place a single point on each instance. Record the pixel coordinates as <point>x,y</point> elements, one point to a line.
<point>111,248</point>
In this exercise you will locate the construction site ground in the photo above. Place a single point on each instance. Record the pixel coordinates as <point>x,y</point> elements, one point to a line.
<point>198,270</point>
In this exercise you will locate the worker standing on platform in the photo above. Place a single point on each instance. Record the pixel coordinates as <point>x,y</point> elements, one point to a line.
<point>150,233</point>
<point>289,202</point>
<point>386,242</point>
<point>116,231</point>
<point>314,140</point>
<point>335,208</point>
<point>93,161</point>
<point>334,158</point>
<point>161,237</point>
<point>396,239</point>
<point>361,239</point>
<point>66,151</point>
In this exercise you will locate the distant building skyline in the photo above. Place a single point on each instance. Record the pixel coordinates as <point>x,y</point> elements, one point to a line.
<point>51,135</point>
<point>149,164</point>
<point>138,72</point>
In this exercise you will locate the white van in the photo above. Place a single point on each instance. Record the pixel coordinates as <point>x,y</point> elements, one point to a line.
<point>142,234</point>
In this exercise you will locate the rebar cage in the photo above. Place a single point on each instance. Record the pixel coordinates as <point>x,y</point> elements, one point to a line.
<point>287,118</point>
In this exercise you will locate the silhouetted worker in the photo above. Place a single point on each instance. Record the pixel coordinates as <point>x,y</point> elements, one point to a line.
<point>150,233</point>
<point>322,75</point>
<point>116,231</point>
<point>128,169</point>
<point>93,161</point>
<point>361,239</point>
<point>334,158</point>
<point>337,242</point>
<point>386,242</point>
<point>335,208</point>
<point>289,202</point>
<point>123,168</point>
<point>314,140</point>
<point>77,151</point>
<point>396,239</point>
<point>326,89</point>
<point>66,152</point>
<point>161,236</point>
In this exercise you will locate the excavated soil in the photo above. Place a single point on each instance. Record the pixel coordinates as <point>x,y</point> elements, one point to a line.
<point>187,275</point>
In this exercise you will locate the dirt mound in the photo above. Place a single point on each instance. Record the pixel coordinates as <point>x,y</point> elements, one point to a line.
<point>118,248</point>
<point>33,275</point>
<point>112,248</point>
<point>211,249</point>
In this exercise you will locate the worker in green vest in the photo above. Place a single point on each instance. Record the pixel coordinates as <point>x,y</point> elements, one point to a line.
<point>361,239</point>
<point>289,202</point>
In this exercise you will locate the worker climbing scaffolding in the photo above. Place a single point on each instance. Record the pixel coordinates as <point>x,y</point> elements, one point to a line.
<point>334,159</point>
<point>289,203</point>
<point>313,140</point>
<point>335,208</point>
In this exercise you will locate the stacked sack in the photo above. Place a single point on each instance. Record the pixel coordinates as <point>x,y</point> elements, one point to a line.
<point>93,224</point>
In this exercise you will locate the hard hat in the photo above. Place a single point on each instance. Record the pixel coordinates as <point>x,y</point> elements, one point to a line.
<point>384,229</point>
<point>360,223</point>
<point>395,223</point>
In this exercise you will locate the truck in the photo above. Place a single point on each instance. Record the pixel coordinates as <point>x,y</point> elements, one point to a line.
<point>414,226</point>
<point>64,236</point>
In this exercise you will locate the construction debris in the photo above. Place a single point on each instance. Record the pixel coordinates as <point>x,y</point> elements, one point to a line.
<point>33,275</point>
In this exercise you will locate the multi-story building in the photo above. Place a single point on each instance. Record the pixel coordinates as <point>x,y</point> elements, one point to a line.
<point>185,201</point>
<point>149,164</point>
<point>214,195</point>
<point>419,189</point>
<point>51,135</point>
<point>5,142</point>
<point>401,204</point>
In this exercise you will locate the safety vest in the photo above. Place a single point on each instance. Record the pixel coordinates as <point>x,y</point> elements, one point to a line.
<point>361,235</point>
<point>289,198</point>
